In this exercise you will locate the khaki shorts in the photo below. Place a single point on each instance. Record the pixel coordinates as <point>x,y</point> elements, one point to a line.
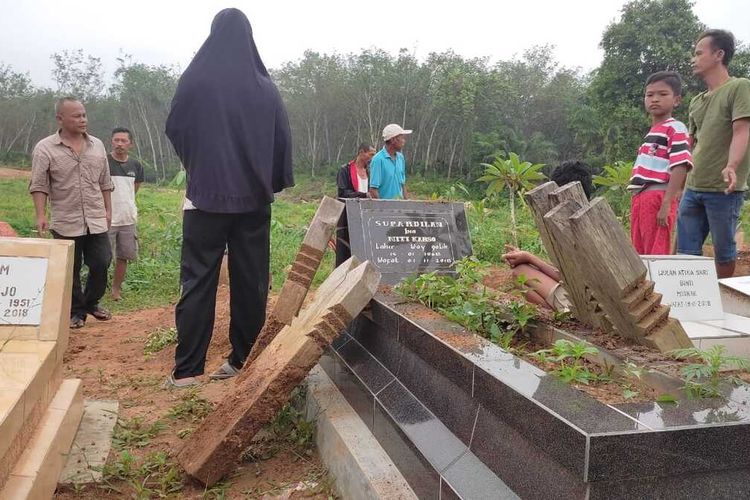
<point>558,299</point>
<point>124,242</point>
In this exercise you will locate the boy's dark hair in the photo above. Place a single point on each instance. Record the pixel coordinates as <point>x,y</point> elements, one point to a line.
<point>122,130</point>
<point>365,146</point>
<point>571,171</point>
<point>721,40</point>
<point>671,78</point>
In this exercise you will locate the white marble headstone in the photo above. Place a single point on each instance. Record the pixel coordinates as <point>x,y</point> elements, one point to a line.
<point>688,284</point>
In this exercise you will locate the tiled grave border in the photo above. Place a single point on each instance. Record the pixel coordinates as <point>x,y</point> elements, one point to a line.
<point>489,400</point>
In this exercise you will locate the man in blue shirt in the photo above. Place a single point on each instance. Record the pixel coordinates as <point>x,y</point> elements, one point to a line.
<point>388,167</point>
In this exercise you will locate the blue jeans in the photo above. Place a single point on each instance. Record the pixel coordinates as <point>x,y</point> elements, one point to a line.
<point>702,212</point>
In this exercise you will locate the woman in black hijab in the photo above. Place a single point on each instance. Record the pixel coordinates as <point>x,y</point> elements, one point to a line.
<point>230,129</point>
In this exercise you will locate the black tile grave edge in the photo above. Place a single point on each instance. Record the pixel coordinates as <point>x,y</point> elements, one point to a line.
<point>462,371</point>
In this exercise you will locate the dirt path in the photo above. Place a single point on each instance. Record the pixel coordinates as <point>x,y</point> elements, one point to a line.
<point>108,357</point>
<point>14,173</point>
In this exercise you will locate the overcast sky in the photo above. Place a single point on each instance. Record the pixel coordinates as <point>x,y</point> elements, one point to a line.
<point>170,31</point>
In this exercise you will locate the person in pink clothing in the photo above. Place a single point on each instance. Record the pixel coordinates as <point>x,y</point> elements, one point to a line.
<point>660,168</point>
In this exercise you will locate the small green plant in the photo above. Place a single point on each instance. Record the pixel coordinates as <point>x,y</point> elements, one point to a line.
<point>134,433</point>
<point>159,339</point>
<point>515,175</point>
<point>192,407</point>
<point>291,425</point>
<point>522,313</point>
<point>156,477</point>
<point>703,379</point>
<point>569,356</point>
<point>616,179</point>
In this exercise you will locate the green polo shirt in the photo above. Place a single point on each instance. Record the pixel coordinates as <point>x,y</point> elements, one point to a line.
<point>710,125</point>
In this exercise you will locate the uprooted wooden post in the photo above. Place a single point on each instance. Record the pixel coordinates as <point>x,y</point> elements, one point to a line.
<point>541,200</point>
<point>300,276</point>
<point>617,276</point>
<point>213,449</point>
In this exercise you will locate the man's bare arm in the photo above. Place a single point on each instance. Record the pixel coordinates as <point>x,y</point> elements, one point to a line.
<point>40,208</point>
<point>107,195</point>
<point>737,150</point>
<point>374,193</point>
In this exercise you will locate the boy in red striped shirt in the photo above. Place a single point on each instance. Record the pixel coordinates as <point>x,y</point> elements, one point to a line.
<point>660,168</point>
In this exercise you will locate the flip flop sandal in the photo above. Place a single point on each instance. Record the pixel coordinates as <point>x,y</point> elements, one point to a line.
<point>101,314</point>
<point>182,383</point>
<point>224,372</point>
<point>77,322</point>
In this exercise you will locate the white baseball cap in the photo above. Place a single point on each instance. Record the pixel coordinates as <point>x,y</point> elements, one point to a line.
<point>392,130</point>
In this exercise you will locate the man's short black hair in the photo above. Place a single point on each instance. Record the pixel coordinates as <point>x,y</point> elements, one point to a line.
<point>122,130</point>
<point>721,40</point>
<point>671,78</point>
<point>571,171</point>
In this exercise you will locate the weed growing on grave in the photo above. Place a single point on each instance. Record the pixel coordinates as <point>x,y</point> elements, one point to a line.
<point>159,339</point>
<point>702,379</point>
<point>569,358</point>
<point>466,301</point>
<point>192,407</point>
<point>135,433</point>
<point>632,375</point>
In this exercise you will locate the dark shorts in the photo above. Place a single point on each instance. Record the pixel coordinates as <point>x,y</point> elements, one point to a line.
<point>703,212</point>
<point>124,242</point>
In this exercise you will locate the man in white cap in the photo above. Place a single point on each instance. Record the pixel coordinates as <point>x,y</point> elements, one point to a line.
<point>388,167</point>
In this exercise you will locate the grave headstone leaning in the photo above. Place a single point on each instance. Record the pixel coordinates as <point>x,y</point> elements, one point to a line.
<point>402,237</point>
<point>602,272</point>
<point>39,412</point>
<point>211,451</point>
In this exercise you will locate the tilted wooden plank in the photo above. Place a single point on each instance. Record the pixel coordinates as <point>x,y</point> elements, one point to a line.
<point>214,448</point>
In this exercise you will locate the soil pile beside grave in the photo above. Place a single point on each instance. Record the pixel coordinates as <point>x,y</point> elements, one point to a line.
<point>109,357</point>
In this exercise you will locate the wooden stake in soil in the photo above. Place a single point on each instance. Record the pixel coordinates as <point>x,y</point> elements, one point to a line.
<point>300,277</point>
<point>213,449</point>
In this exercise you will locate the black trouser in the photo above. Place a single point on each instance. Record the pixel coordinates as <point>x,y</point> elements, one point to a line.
<point>343,248</point>
<point>205,236</point>
<point>94,251</point>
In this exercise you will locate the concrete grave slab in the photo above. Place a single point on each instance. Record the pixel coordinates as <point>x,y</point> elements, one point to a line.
<point>92,443</point>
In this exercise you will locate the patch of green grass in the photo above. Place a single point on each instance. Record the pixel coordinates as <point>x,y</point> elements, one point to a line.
<point>154,477</point>
<point>191,407</point>
<point>16,207</point>
<point>135,433</point>
<point>159,339</point>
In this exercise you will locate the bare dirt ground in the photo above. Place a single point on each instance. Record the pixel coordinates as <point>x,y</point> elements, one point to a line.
<point>14,173</point>
<point>108,356</point>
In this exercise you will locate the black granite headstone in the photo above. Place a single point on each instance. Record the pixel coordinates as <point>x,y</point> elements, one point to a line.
<point>402,237</point>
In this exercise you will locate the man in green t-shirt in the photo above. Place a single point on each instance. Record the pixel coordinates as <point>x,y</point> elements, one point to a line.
<point>719,125</point>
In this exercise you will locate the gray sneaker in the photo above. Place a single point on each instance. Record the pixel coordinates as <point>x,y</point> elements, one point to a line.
<point>224,372</point>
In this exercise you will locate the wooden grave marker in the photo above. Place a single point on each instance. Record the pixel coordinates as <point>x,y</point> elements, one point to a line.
<point>300,277</point>
<point>213,449</point>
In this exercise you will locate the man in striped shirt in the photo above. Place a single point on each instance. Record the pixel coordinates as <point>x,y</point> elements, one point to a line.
<point>660,168</point>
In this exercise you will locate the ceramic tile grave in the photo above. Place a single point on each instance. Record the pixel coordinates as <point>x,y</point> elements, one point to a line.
<point>462,418</point>
<point>407,237</point>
